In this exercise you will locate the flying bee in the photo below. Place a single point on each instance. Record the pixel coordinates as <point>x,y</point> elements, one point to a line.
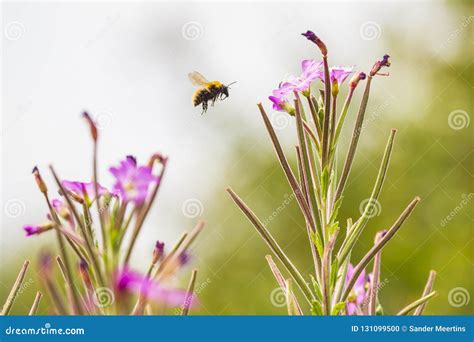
<point>208,91</point>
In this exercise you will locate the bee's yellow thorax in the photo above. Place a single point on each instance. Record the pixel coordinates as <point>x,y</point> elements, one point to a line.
<point>214,83</point>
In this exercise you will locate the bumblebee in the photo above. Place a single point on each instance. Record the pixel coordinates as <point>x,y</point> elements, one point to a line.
<point>208,91</point>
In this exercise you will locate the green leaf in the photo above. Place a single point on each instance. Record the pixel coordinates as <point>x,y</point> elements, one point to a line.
<point>317,242</point>
<point>316,308</point>
<point>379,310</point>
<point>338,308</point>
<point>317,289</point>
<point>335,210</point>
<point>332,228</point>
<point>325,182</point>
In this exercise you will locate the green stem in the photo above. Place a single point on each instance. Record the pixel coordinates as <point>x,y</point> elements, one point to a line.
<point>354,141</point>
<point>426,291</point>
<point>288,172</point>
<point>327,113</point>
<point>274,246</point>
<point>15,288</point>
<point>356,230</point>
<point>378,246</point>
<point>416,304</point>
<point>189,294</point>
<point>90,250</point>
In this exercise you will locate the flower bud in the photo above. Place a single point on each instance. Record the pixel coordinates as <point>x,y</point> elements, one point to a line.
<point>39,180</point>
<point>356,79</point>
<point>158,251</point>
<point>92,125</point>
<point>316,40</point>
<point>379,64</point>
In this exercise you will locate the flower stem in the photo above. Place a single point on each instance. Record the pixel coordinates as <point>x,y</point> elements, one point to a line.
<point>288,172</point>
<point>142,214</point>
<point>90,250</point>
<point>354,141</point>
<point>34,306</point>
<point>374,284</point>
<point>189,294</point>
<point>426,291</point>
<point>274,246</point>
<point>281,281</point>
<point>342,117</point>
<point>15,288</point>
<point>327,113</point>
<point>416,304</point>
<point>356,230</point>
<point>326,272</point>
<point>378,246</point>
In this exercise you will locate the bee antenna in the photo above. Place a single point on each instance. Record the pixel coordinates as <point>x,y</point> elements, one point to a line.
<point>231,83</point>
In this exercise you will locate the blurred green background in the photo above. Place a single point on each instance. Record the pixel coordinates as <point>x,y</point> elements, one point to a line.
<point>432,159</point>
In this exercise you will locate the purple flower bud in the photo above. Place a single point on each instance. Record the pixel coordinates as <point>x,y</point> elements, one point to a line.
<point>38,229</point>
<point>316,40</point>
<point>184,258</point>
<point>31,230</point>
<point>158,251</point>
<point>356,79</point>
<point>92,125</point>
<point>83,191</point>
<point>379,64</point>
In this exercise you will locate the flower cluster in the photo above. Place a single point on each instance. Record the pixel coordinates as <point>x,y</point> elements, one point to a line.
<point>336,287</point>
<point>311,71</point>
<point>96,229</point>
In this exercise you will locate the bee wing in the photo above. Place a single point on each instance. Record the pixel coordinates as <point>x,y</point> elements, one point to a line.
<point>197,79</point>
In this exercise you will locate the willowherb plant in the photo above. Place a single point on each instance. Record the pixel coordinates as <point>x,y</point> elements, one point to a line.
<point>336,287</point>
<point>94,275</point>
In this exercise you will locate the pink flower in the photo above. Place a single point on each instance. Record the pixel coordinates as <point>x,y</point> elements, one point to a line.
<point>339,74</point>
<point>280,96</point>
<point>311,70</point>
<point>84,191</point>
<point>358,293</point>
<point>63,210</point>
<point>130,281</point>
<point>38,229</point>
<point>132,181</point>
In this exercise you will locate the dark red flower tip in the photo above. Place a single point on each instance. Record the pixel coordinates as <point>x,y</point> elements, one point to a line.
<point>92,125</point>
<point>132,159</point>
<point>316,40</point>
